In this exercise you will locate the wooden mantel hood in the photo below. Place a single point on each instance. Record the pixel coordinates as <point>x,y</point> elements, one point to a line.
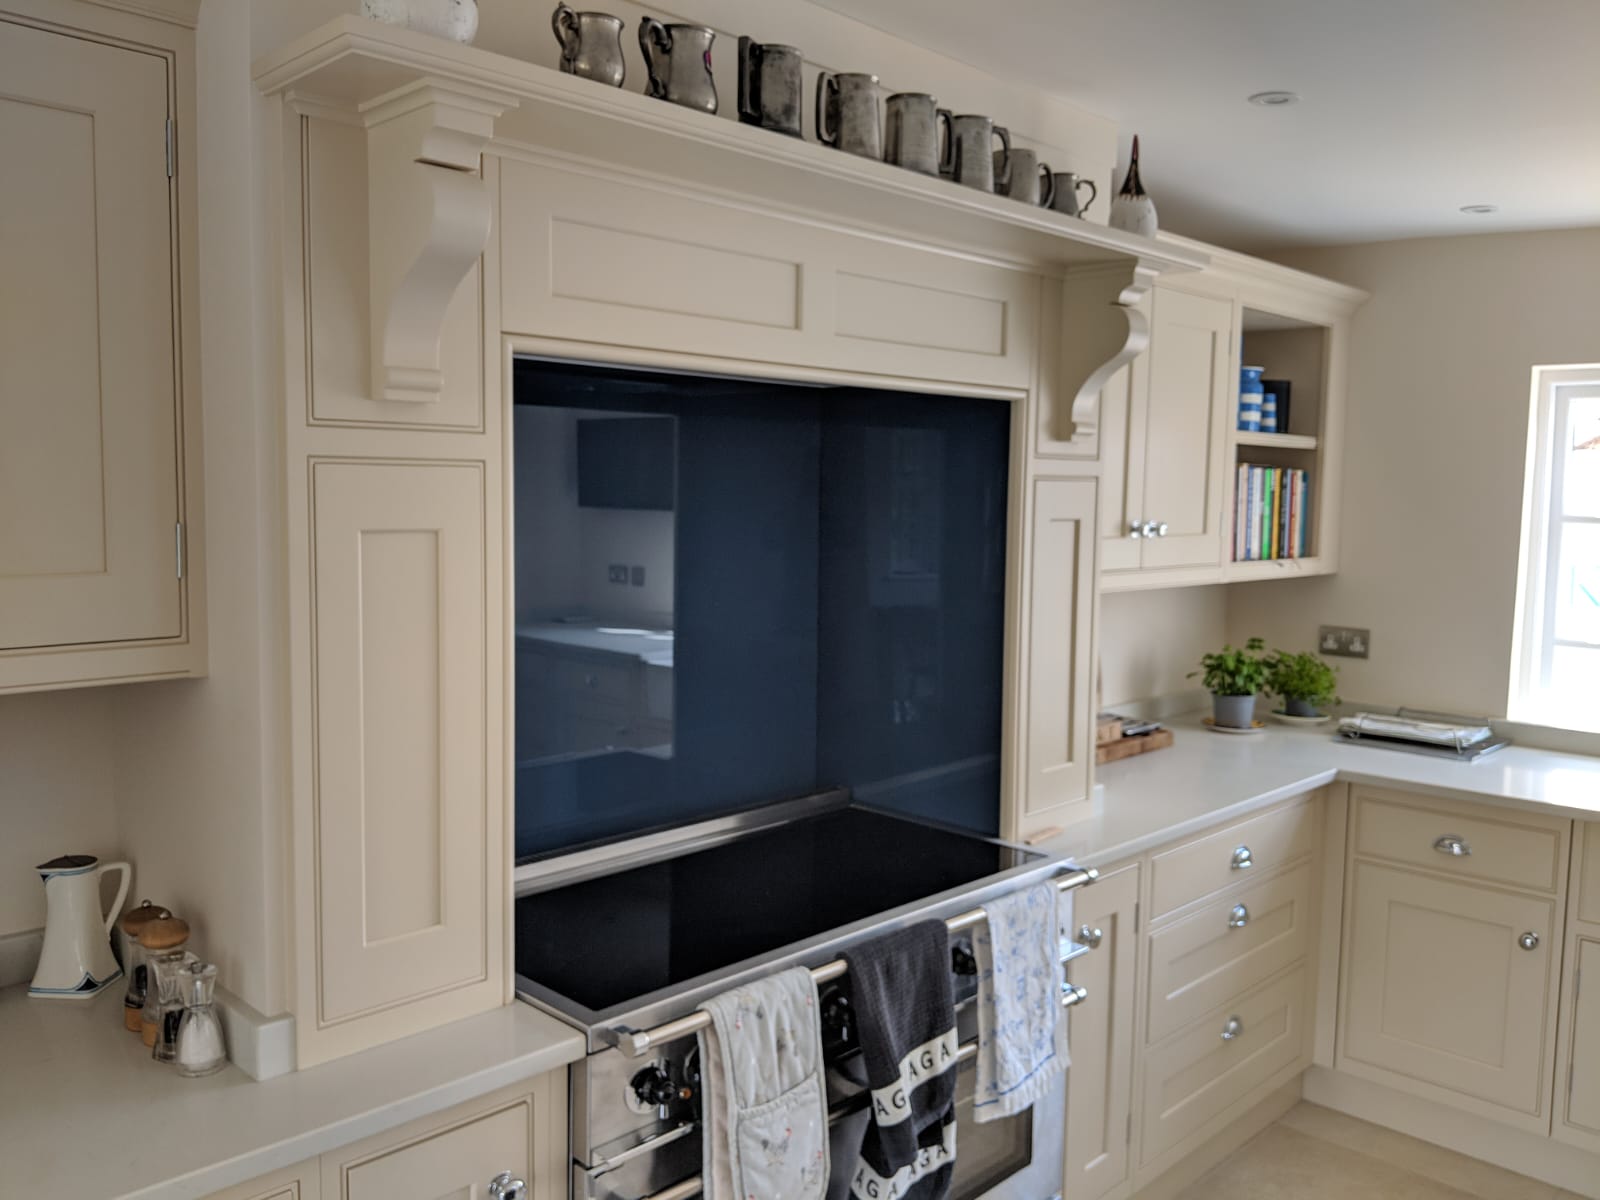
<point>431,106</point>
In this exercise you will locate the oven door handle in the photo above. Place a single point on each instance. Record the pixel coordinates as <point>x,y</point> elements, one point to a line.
<point>648,1146</point>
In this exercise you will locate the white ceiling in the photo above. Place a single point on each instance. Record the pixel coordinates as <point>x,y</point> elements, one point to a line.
<point>1409,108</point>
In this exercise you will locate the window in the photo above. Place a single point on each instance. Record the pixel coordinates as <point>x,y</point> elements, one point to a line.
<point>1556,657</point>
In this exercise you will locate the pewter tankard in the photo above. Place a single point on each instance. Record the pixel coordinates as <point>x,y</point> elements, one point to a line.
<point>1031,181</point>
<point>591,44</point>
<point>770,88</point>
<point>911,131</point>
<point>1065,199</point>
<point>678,59</point>
<point>847,113</point>
<point>969,159</point>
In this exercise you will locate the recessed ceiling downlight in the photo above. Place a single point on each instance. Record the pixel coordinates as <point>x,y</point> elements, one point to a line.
<point>1275,99</point>
<point>1479,210</point>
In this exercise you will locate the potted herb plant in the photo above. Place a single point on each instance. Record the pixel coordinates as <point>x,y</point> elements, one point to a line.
<point>1233,677</point>
<point>1305,682</point>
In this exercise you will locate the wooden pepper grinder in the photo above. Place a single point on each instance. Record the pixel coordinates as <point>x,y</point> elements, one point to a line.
<point>163,939</point>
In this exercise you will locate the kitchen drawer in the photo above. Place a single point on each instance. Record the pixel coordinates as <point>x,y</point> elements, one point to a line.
<point>1205,959</point>
<point>1523,851</point>
<point>1196,1075</point>
<point>1196,869</point>
<point>457,1161</point>
<point>604,681</point>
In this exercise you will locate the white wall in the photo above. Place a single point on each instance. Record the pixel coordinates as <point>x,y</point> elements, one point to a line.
<point>56,791</point>
<point>1441,359</point>
<point>1149,641</point>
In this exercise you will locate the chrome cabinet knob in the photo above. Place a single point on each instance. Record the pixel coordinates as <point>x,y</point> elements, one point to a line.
<point>1151,529</point>
<point>1232,1028</point>
<point>1455,847</point>
<point>1090,937</point>
<point>1239,917</point>
<point>1161,529</point>
<point>1135,529</point>
<point>1073,995</point>
<point>506,1186</point>
<point>1529,940</point>
<point>1241,860</point>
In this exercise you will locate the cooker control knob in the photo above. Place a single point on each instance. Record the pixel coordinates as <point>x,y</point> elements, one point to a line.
<point>654,1087</point>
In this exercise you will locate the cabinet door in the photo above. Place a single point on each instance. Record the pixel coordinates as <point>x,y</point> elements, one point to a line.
<point>1101,1031</point>
<point>1440,998</point>
<point>88,401</point>
<point>1057,738</point>
<point>1185,428</point>
<point>1122,436</point>
<point>1578,1119</point>
<point>405,821</point>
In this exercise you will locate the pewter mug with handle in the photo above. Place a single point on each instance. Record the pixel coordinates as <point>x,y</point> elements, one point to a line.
<point>678,60</point>
<point>1031,181</point>
<point>591,44</point>
<point>1065,199</point>
<point>847,113</point>
<point>911,131</point>
<point>770,88</point>
<point>969,159</point>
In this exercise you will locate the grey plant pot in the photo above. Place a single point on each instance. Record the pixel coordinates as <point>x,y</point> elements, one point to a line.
<point>1294,706</point>
<point>1236,712</point>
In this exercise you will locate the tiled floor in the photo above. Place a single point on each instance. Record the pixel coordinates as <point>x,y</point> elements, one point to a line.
<point>1315,1153</point>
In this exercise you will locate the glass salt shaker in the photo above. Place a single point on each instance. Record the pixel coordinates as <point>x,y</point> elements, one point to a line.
<point>200,1047</point>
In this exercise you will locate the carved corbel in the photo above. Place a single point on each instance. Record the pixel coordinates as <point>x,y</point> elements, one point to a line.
<point>428,214</point>
<point>1103,330</point>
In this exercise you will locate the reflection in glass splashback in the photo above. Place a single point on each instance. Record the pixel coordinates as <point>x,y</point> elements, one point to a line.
<point>732,592</point>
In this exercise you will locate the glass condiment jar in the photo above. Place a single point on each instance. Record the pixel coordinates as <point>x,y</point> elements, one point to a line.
<point>163,940</point>
<point>135,962</point>
<point>200,1048</point>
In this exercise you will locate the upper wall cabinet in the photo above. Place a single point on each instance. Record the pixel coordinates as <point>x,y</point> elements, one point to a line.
<point>98,448</point>
<point>1178,471</point>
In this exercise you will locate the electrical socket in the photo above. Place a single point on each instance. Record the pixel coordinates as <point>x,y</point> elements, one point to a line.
<point>617,572</point>
<point>1344,641</point>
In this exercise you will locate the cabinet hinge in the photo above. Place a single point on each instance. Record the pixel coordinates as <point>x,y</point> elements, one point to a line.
<point>170,155</point>
<point>177,540</point>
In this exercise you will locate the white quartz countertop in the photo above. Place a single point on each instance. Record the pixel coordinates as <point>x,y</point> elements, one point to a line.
<point>1206,778</point>
<point>84,1110</point>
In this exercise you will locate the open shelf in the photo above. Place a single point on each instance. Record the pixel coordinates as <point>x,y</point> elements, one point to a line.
<point>1280,441</point>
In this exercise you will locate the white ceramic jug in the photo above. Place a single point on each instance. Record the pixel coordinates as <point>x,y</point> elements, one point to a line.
<point>77,961</point>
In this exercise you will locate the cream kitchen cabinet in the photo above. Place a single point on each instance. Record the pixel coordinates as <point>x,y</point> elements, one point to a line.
<point>1452,953</point>
<point>1101,1036</point>
<point>1577,1110</point>
<point>509,1145</point>
<point>1056,670</point>
<point>1163,437</point>
<point>100,545</point>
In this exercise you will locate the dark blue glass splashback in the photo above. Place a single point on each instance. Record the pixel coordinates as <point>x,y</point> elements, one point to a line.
<point>821,604</point>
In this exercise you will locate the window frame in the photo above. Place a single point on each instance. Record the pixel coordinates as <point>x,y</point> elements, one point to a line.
<point>1534,638</point>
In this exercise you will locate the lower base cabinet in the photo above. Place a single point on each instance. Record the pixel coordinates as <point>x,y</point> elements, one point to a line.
<point>519,1133</point>
<point>1101,1033</point>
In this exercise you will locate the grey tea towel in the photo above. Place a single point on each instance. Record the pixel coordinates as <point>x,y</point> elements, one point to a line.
<point>905,1014</point>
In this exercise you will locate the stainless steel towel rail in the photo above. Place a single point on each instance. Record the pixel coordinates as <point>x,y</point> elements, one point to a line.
<point>636,1043</point>
<point>1070,995</point>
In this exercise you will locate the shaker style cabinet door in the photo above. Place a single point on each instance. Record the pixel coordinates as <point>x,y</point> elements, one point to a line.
<point>89,417</point>
<point>398,831</point>
<point>1448,991</point>
<point>1123,414</point>
<point>1101,1032</point>
<point>1185,429</point>
<point>1055,740</point>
